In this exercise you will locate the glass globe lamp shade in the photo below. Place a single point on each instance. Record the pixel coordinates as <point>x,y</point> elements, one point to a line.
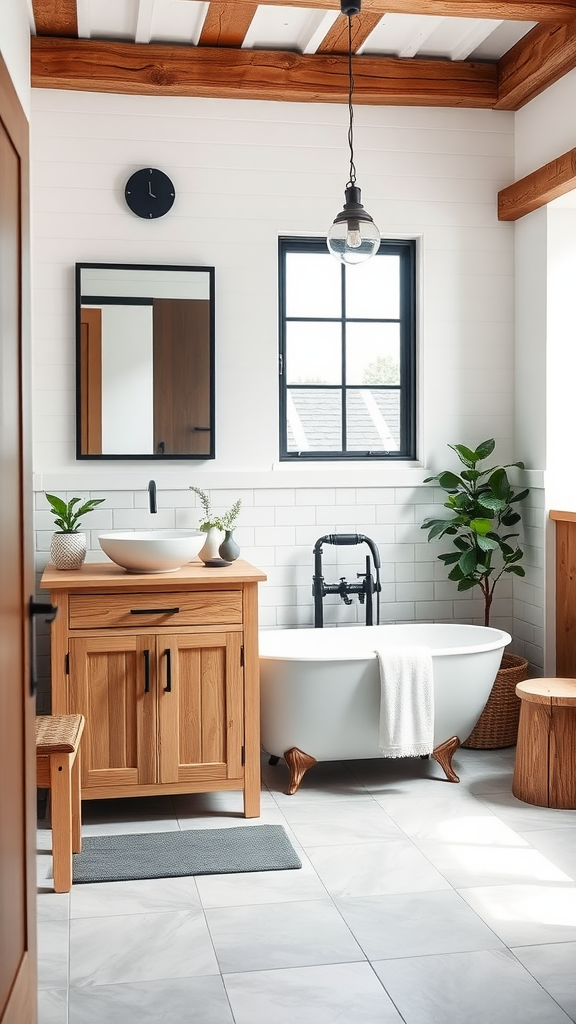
<point>353,237</point>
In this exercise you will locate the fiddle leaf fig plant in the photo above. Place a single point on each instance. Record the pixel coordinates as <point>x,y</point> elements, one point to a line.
<point>481,502</point>
<point>67,515</point>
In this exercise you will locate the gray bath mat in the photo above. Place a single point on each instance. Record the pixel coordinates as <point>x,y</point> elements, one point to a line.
<point>214,851</point>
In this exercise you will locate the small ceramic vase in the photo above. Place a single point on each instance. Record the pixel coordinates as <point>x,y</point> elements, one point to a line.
<point>209,552</point>
<point>68,550</point>
<point>229,549</point>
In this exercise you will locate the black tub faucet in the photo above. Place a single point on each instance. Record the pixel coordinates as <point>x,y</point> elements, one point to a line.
<point>152,496</point>
<point>370,585</point>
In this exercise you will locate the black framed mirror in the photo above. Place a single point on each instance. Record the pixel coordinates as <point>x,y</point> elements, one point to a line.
<point>144,361</point>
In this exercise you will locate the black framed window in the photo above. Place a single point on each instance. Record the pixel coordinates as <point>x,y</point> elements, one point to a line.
<point>347,353</point>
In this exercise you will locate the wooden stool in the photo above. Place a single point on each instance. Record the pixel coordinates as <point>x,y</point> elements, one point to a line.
<point>58,769</point>
<point>545,765</point>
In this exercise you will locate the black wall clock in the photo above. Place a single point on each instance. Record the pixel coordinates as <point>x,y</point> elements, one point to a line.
<point>149,193</point>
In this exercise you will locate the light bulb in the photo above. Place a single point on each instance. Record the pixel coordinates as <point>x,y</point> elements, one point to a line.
<point>353,237</point>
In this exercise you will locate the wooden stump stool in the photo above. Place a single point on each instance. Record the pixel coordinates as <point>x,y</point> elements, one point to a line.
<point>545,765</point>
<point>58,769</point>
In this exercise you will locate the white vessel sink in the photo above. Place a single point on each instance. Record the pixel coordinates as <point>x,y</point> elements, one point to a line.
<point>152,550</point>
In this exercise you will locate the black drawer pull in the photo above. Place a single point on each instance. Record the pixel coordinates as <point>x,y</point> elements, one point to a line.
<point>168,687</point>
<point>154,611</point>
<point>146,671</point>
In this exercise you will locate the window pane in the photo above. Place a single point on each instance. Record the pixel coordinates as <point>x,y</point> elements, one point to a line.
<point>373,354</point>
<point>313,285</point>
<point>313,353</point>
<point>314,420</point>
<point>372,420</point>
<point>373,288</point>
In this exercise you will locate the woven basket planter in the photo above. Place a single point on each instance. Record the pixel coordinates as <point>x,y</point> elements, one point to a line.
<point>68,550</point>
<point>498,723</point>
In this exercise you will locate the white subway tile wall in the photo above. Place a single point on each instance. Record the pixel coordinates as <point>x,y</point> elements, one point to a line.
<point>414,583</point>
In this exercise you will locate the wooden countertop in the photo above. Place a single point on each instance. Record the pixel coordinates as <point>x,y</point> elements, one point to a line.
<point>107,575</point>
<point>563,517</point>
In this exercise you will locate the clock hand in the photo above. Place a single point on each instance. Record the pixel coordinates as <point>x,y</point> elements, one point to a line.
<point>150,192</point>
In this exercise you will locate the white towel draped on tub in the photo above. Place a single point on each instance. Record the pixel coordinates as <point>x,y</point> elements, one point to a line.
<point>406,701</point>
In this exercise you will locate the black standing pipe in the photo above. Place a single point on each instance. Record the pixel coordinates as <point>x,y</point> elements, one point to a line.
<point>368,587</point>
<point>318,585</point>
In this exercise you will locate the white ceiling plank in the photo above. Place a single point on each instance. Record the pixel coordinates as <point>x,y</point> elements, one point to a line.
<point>144,22</point>
<point>393,33</point>
<point>319,25</point>
<point>417,42</point>
<point>83,18</point>
<point>176,21</point>
<point>277,28</point>
<point>30,12</point>
<point>444,37</point>
<point>113,19</point>
<point>502,39</point>
<point>473,35</point>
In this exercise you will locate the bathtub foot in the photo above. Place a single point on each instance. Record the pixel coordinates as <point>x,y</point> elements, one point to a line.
<point>444,754</point>
<point>298,762</point>
<point>273,760</point>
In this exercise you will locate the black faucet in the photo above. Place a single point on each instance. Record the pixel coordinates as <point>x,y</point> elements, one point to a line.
<point>364,590</point>
<point>152,496</point>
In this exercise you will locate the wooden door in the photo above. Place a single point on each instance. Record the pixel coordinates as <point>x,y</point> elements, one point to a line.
<point>90,381</point>
<point>17,745</point>
<point>182,386</point>
<point>200,707</point>
<point>113,684</point>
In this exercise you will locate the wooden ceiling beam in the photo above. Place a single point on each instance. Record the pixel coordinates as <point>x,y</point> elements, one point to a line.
<point>158,70</point>
<point>226,24</point>
<point>537,60</point>
<point>537,189</point>
<point>336,40</point>
<point>55,17</point>
<point>507,10</point>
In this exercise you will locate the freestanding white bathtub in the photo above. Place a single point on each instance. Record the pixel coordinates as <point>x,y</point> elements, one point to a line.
<point>320,689</point>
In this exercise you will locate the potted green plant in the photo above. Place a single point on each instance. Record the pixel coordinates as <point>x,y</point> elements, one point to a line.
<point>68,545</point>
<point>481,502</point>
<point>220,545</point>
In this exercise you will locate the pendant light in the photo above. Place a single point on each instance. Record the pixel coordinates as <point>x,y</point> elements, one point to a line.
<point>353,237</point>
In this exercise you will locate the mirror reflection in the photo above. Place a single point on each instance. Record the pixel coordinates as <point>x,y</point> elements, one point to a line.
<point>145,361</point>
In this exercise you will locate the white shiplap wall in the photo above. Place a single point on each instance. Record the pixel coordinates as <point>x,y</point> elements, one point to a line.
<point>245,173</point>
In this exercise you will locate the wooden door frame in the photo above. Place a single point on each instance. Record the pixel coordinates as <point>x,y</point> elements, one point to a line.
<point>22,1003</point>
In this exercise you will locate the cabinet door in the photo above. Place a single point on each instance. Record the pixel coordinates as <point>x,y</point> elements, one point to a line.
<point>200,707</point>
<point>113,684</point>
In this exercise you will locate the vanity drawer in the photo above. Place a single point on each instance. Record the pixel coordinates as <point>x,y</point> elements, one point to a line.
<point>105,611</point>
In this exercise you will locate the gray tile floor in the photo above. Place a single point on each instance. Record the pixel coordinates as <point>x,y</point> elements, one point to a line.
<point>418,901</point>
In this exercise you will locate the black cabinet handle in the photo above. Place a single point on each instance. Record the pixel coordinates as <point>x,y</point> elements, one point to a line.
<point>168,687</point>
<point>146,671</point>
<point>154,611</point>
<point>36,608</point>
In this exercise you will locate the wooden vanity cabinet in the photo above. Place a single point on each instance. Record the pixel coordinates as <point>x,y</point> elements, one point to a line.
<point>164,669</point>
